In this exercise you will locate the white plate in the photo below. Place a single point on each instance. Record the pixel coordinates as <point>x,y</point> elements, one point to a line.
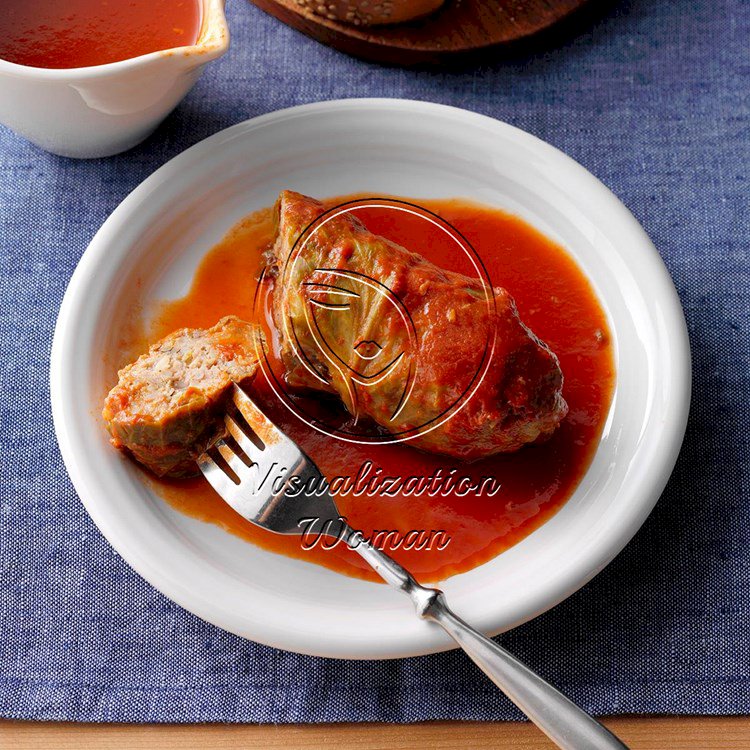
<point>408,148</point>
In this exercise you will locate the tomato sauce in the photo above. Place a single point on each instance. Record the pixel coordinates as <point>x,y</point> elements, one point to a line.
<point>554,299</point>
<point>79,33</point>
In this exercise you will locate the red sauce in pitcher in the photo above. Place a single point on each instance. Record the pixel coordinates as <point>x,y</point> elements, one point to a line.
<point>80,33</point>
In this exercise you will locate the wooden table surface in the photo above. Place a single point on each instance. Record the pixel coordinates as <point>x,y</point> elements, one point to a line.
<point>639,732</point>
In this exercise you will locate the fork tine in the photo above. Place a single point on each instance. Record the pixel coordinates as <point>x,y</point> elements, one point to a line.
<point>216,476</point>
<point>261,425</point>
<point>259,492</point>
<point>253,452</point>
<point>236,464</point>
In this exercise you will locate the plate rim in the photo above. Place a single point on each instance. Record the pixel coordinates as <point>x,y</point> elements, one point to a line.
<point>606,548</point>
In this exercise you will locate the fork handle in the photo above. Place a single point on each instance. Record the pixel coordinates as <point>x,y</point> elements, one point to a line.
<point>562,721</point>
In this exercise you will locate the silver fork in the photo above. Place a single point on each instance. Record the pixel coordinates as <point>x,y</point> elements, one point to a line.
<point>267,465</point>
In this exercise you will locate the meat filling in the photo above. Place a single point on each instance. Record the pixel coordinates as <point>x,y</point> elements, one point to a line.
<point>167,406</point>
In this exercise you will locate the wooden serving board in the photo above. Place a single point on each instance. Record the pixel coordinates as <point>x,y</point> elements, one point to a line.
<point>460,29</point>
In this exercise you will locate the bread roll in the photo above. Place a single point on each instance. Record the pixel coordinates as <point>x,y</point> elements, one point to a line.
<point>371,12</point>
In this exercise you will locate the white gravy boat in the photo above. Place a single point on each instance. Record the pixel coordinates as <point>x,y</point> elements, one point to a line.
<point>105,109</point>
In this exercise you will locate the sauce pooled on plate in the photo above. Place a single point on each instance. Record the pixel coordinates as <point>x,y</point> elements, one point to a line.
<point>554,299</point>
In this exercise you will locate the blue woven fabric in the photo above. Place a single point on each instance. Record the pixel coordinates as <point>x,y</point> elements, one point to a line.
<point>654,99</point>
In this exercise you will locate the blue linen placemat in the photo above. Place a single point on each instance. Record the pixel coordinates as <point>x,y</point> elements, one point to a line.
<point>654,99</point>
